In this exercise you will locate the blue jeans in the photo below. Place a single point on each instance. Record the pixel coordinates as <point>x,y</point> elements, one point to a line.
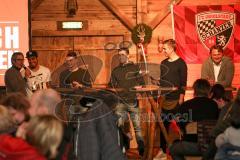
<point>226,152</point>
<point>122,110</point>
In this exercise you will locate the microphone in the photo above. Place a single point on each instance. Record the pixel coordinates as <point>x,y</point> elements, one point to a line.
<point>140,45</point>
<point>24,67</point>
<point>27,71</point>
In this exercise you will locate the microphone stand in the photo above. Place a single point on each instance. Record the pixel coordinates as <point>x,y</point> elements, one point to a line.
<point>86,68</point>
<point>76,138</point>
<point>144,60</point>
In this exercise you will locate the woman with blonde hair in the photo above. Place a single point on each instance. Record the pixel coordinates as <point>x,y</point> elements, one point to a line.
<point>45,133</point>
<point>14,148</point>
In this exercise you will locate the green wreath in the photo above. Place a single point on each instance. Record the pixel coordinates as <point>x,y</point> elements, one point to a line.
<point>141,29</point>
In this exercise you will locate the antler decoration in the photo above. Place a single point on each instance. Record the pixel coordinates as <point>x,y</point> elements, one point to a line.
<point>141,33</point>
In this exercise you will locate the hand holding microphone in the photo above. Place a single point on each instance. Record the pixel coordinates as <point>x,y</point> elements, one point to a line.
<point>27,72</point>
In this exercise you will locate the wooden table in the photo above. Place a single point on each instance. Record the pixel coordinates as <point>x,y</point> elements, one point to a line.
<point>145,92</point>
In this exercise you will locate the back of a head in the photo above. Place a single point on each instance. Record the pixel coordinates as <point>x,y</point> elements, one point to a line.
<point>45,133</point>
<point>6,120</point>
<point>201,88</point>
<point>16,101</point>
<point>44,102</point>
<point>217,92</point>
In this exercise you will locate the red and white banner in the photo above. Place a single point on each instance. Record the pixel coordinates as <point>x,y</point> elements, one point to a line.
<point>13,31</point>
<point>197,28</point>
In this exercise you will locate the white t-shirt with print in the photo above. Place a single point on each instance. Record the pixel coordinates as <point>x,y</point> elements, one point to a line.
<point>38,80</point>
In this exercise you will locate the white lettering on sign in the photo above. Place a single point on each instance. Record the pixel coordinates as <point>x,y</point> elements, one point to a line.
<point>9,42</point>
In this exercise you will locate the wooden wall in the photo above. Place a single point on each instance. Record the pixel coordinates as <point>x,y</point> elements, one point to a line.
<point>108,21</point>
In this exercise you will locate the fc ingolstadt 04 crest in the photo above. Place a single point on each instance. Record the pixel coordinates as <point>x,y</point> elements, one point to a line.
<point>215,27</point>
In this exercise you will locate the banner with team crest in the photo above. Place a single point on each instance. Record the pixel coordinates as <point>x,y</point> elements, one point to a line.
<point>197,28</point>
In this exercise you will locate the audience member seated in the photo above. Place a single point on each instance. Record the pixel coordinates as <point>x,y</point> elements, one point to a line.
<point>217,94</point>
<point>228,143</point>
<point>45,133</point>
<point>97,122</point>
<point>48,102</point>
<point>197,109</point>
<point>12,148</point>
<point>224,121</point>
<point>7,123</point>
<point>44,102</point>
<point>18,106</point>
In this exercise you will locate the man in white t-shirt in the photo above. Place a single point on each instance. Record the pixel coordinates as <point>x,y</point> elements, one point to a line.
<point>38,76</point>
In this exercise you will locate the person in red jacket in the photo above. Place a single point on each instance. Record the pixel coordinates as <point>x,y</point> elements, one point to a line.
<point>12,148</point>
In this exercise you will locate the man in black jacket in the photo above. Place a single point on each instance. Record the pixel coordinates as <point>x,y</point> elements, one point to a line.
<point>125,77</point>
<point>197,109</point>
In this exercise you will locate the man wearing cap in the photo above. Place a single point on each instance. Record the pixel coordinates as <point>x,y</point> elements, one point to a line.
<point>37,76</point>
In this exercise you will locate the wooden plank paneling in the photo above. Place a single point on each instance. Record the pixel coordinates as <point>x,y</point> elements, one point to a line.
<point>53,50</point>
<point>35,4</point>
<point>105,26</point>
<point>47,33</point>
<point>102,22</point>
<point>96,25</point>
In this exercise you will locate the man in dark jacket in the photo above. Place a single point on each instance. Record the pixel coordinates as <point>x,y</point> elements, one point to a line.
<point>125,77</point>
<point>74,76</point>
<point>198,109</point>
<point>13,79</point>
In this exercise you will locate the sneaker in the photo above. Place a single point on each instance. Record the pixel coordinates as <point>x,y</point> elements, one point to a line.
<point>160,156</point>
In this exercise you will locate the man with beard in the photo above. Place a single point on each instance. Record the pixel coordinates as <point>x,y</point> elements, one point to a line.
<point>37,76</point>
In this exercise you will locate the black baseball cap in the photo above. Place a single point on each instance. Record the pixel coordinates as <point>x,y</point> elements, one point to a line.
<point>31,54</point>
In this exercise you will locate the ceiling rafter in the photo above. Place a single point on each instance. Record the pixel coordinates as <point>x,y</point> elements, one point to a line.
<point>35,4</point>
<point>120,15</point>
<point>163,14</point>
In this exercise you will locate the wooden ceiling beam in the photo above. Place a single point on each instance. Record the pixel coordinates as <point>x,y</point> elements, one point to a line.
<point>163,14</point>
<point>35,4</point>
<point>120,15</point>
<point>47,33</point>
<point>141,12</point>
